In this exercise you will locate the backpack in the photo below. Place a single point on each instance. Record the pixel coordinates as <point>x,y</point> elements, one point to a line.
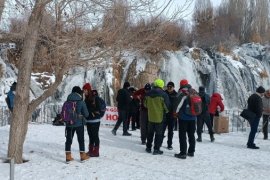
<point>102,105</point>
<point>194,103</point>
<point>68,113</point>
<point>8,102</point>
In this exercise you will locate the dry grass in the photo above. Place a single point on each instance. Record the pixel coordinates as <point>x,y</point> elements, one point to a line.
<point>264,74</point>
<point>196,54</point>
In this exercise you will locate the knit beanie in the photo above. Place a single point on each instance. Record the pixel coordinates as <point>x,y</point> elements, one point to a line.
<point>126,85</point>
<point>87,86</point>
<point>147,86</point>
<point>170,84</point>
<point>183,82</point>
<point>159,83</point>
<point>260,90</point>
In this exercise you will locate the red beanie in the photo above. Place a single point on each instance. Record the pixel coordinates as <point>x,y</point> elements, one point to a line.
<point>183,82</point>
<point>87,86</point>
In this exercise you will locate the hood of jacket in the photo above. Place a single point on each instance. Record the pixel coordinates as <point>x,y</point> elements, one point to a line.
<point>74,97</point>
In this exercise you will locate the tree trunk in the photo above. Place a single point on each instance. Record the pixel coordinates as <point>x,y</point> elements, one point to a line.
<point>21,113</point>
<point>2,6</point>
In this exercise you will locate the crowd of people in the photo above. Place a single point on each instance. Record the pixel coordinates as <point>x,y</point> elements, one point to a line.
<point>154,109</point>
<point>159,109</point>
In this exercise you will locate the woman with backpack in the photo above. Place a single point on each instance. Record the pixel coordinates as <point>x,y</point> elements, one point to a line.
<point>93,120</point>
<point>74,125</point>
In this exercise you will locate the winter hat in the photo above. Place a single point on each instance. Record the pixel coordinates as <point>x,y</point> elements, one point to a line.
<point>201,89</point>
<point>94,92</point>
<point>77,89</point>
<point>159,83</point>
<point>170,84</point>
<point>147,86</point>
<point>132,89</point>
<point>183,82</point>
<point>13,86</point>
<point>260,90</point>
<point>126,85</point>
<point>87,86</point>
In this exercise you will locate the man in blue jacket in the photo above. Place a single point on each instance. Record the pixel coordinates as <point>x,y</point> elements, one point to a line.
<point>187,122</point>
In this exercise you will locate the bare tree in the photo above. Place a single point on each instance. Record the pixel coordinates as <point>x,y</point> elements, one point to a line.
<point>2,6</point>
<point>204,23</point>
<point>68,36</point>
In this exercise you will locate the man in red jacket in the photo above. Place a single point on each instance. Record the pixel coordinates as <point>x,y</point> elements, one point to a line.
<point>216,106</point>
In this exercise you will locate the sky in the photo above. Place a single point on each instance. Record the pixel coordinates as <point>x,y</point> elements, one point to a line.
<point>186,4</point>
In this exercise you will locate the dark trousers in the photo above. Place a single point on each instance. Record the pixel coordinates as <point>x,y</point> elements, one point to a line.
<point>265,125</point>
<point>254,127</point>
<point>69,137</point>
<point>143,124</point>
<point>201,119</point>
<point>168,122</point>
<point>187,127</point>
<point>93,130</point>
<point>133,117</point>
<point>154,129</point>
<point>122,117</point>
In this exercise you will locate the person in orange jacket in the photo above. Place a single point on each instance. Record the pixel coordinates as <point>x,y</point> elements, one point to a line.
<point>216,106</point>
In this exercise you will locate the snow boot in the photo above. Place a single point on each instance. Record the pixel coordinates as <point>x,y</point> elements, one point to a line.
<point>181,155</point>
<point>212,138</point>
<point>91,150</point>
<point>84,156</point>
<point>199,139</point>
<point>95,152</point>
<point>114,132</point>
<point>69,158</point>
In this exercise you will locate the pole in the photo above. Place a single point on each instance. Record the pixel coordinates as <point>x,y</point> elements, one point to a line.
<point>12,168</point>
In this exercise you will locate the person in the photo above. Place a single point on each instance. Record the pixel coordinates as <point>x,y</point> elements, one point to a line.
<point>133,111</point>
<point>204,117</point>
<point>123,98</point>
<point>93,120</point>
<point>266,113</point>
<point>157,102</point>
<point>78,126</point>
<point>169,118</point>
<point>216,106</point>
<point>187,122</point>
<point>255,105</point>
<point>140,95</point>
<point>11,96</point>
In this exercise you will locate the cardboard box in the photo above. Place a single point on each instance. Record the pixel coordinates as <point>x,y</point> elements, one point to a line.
<point>221,124</point>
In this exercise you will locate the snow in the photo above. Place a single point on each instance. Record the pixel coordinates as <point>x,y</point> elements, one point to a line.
<point>125,158</point>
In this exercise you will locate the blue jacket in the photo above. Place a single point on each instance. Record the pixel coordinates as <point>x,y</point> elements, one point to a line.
<point>11,97</point>
<point>80,109</point>
<point>182,115</point>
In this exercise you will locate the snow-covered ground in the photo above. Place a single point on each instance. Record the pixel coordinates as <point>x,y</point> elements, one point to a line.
<point>125,158</point>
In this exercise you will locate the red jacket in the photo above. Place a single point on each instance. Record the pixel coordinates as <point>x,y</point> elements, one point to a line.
<point>140,94</point>
<point>215,101</point>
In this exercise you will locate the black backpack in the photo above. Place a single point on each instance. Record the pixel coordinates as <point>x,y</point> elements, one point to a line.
<point>205,102</point>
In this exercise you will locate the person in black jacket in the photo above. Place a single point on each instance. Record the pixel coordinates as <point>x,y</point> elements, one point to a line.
<point>169,118</point>
<point>133,112</point>
<point>123,98</point>
<point>255,105</point>
<point>93,120</point>
<point>204,117</point>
